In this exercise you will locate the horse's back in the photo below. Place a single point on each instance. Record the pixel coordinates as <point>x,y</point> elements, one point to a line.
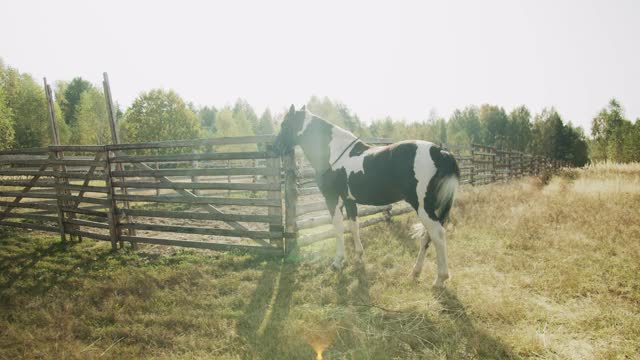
<point>389,174</point>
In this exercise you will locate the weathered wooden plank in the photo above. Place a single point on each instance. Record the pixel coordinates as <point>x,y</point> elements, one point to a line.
<point>57,174</point>
<point>36,184</point>
<point>88,234</point>
<point>28,205</point>
<point>193,157</point>
<point>401,210</point>
<point>88,223</point>
<point>42,150</point>
<point>200,216</point>
<point>326,219</point>
<point>24,225</point>
<point>329,233</point>
<point>251,234</point>
<point>199,186</point>
<point>77,148</point>
<point>198,142</point>
<point>303,209</point>
<point>198,200</point>
<point>196,172</point>
<point>85,189</point>
<point>103,201</point>
<point>67,162</point>
<point>85,211</point>
<point>479,153</point>
<point>204,245</point>
<point>30,216</point>
<point>34,195</point>
<point>71,162</point>
<point>311,191</point>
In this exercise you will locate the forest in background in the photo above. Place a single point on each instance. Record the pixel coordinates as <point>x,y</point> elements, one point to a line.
<point>159,114</point>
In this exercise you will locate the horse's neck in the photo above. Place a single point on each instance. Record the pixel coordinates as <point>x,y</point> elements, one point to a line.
<point>322,155</point>
<point>341,139</point>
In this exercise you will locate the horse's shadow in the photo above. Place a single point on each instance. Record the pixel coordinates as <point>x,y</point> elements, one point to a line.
<point>481,343</point>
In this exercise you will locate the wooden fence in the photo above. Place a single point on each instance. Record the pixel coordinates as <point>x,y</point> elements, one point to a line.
<point>149,193</point>
<point>222,193</point>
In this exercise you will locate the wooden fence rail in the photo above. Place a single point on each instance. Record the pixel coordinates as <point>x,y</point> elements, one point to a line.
<point>222,193</point>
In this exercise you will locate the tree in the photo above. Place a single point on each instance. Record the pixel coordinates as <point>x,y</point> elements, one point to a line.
<point>265,124</point>
<point>519,128</point>
<point>631,142</point>
<point>337,113</point>
<point>495,121</point>
<point>92,121</point>
<point>27,102</point>
<point>159,115</point>
<point>227,126</point>
<point>608,131</point>
<point>207,117</point>
<point>7,134</point>
<point>464,127</point>
<point>243,110</point>
<point>72,93</point>
<point>555,140</point>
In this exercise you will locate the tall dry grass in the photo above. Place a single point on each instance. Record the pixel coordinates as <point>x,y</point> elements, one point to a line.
<point>539,271</point>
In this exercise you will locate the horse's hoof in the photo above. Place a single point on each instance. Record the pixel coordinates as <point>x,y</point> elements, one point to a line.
<point>439,283</point>
<point>336,265</point>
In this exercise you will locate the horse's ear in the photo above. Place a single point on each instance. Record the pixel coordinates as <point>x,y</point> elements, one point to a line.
<point>304,108</point>
<point>292,109</point>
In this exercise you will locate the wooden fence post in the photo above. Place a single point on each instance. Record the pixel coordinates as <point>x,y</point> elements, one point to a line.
<point>116,140</point>
<point>195,178</point>
<point>493,162</point>
<point>473,166</point>
<point>275,226</point>
<point>112,216</point>
<point>290,200</point>
<point>55,138</point>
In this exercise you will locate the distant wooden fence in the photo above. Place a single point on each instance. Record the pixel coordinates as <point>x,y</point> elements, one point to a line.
<point>207,193</point>
<point>478,164</point>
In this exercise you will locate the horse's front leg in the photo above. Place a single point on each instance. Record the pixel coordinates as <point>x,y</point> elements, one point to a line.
<point>338,227</point>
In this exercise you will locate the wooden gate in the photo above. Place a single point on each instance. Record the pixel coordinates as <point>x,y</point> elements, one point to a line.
<point>225,193</point>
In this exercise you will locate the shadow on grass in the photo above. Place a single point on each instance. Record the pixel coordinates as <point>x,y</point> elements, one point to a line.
<point>24,271</point>
<point>479,342</point>
<point>266,314</point>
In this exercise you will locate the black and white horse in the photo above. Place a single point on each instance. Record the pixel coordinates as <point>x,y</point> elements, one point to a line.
<point>350,172</point>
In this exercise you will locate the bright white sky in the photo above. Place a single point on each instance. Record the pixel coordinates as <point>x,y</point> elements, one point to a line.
<point>397,58</point>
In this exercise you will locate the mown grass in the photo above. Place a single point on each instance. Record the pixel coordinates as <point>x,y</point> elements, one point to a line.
<point>539,271</point>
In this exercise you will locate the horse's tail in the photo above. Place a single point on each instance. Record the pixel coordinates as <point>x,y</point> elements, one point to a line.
<point>447,179</point>
<point>441,190</point>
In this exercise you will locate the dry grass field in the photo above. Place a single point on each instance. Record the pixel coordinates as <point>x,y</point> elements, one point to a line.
<point>538,271</point>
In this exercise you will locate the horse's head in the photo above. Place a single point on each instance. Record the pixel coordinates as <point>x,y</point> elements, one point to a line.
<point>288,137</point>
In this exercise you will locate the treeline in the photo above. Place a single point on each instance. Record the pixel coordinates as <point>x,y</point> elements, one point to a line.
<point>543,134</point>
<point>615,138</point>
<point>162,115</point>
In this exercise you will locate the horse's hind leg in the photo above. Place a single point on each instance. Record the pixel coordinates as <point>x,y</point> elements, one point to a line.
<point>436,233</point>
<point>424,245</point>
